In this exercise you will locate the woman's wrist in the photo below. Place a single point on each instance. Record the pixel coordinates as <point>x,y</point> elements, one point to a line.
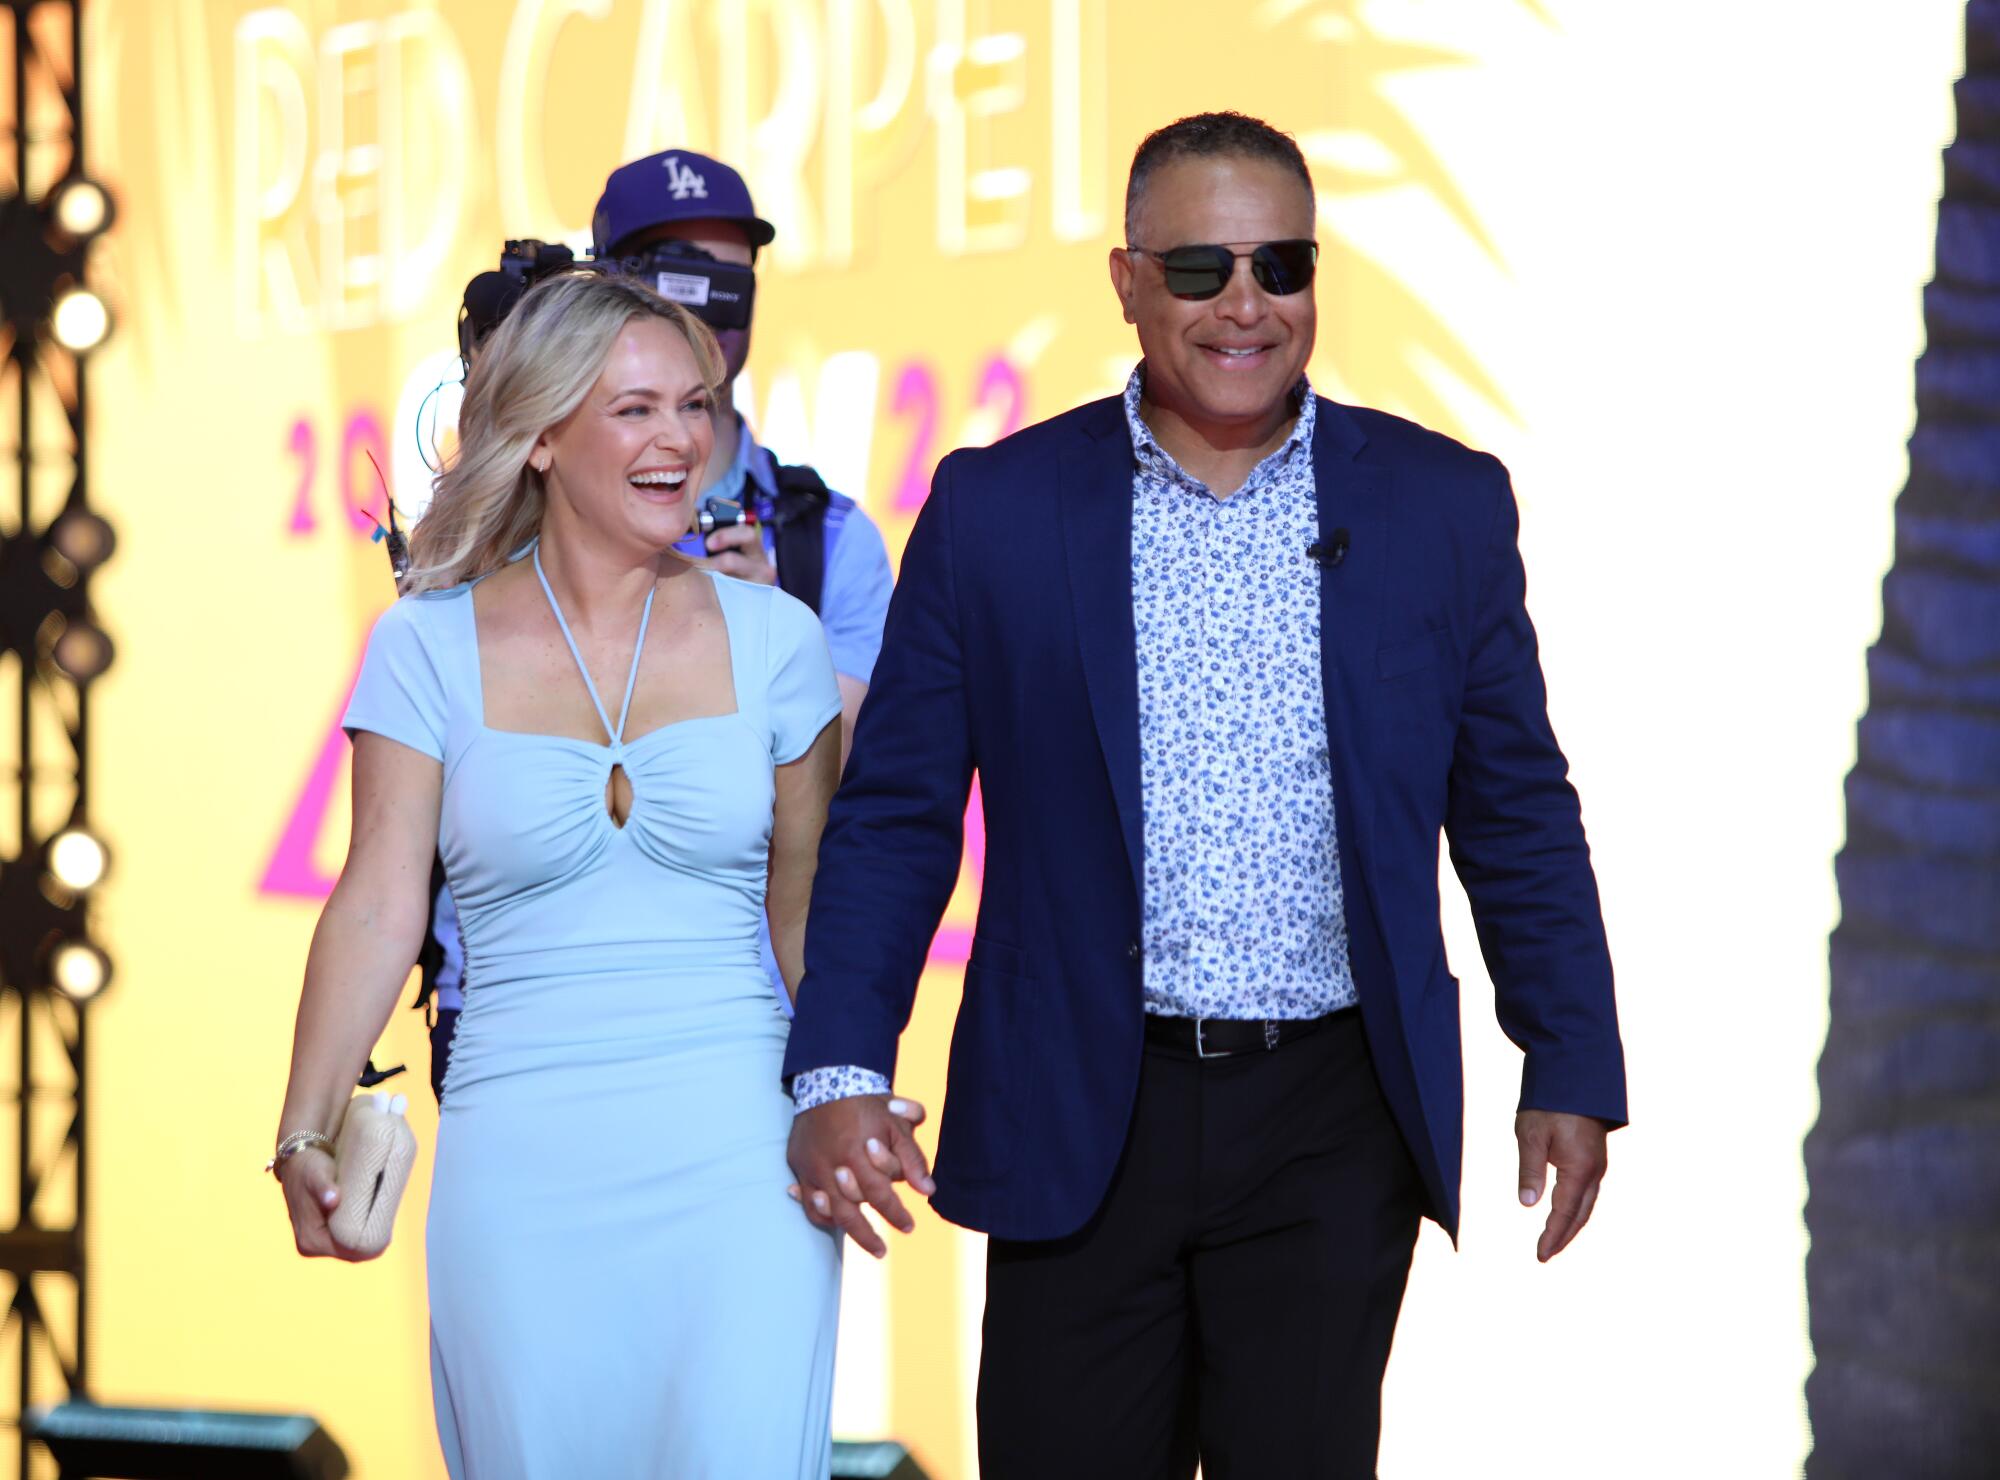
<point>311,1110</point>
<point>292,1145</point>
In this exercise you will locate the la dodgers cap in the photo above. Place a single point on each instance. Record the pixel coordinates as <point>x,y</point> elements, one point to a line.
<point>675,185</point>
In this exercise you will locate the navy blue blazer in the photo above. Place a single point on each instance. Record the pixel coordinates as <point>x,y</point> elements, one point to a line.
<point>1009,650</point>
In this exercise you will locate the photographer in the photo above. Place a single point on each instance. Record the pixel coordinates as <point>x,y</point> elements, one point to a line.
<point>685,225</point>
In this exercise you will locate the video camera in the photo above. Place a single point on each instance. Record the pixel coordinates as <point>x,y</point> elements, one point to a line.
<point>491,296</point>
<point>718,293</point>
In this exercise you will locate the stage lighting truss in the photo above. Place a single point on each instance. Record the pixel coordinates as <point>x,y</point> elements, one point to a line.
<point>53,648</point>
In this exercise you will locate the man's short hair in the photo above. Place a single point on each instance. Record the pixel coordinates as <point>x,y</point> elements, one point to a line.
<point>1210,136</point>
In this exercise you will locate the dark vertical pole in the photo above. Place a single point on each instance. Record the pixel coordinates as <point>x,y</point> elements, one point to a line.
<point>24,359</point>
<point>32,917</point>
<point>1904,1163</point>
<point>79,422</point>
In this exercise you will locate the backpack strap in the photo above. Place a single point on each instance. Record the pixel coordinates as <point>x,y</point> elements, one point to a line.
<point>798,527</point>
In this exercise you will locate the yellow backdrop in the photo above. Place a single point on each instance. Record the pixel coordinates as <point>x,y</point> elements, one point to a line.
<point>1659,261</point>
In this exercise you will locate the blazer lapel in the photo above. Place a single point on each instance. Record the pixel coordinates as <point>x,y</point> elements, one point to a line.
<point>1354,497</point>
<point>1094,494</point>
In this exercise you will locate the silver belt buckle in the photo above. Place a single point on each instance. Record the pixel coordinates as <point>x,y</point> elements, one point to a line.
<point>1200,1049</point>
<point>1270,1035</point>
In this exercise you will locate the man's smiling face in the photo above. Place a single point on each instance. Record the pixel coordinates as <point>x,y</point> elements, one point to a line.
<point>1224,364</point>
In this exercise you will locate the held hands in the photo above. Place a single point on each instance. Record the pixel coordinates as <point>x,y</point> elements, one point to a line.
<point>738,550</point>
<point>311,1195</point>
<point>851,1152</point>
<point>1574,1145</point>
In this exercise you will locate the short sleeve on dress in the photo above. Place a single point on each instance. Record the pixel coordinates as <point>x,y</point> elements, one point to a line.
<point>803,695</point>
<point>400,692</point>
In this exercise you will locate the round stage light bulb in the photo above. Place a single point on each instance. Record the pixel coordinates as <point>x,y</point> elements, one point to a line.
<point>82,209</point>
<point>82,652</point>
<point>83,539</point>
<point>77,859</point>
<point>78,970</point>
<point>81,320</point>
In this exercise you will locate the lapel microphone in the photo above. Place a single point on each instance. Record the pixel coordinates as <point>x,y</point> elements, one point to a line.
<point>1329,553</point>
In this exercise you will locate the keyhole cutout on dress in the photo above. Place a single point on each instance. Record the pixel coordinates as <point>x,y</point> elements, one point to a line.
<point>618,795</point>
<point>617,786</point>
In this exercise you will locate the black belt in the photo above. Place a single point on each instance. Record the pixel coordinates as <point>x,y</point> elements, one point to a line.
<point>1221,1038</point>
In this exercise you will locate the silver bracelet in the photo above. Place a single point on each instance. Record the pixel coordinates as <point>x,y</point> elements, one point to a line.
<point>293,1144</point>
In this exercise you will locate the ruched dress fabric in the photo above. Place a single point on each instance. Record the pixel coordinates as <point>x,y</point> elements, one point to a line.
<point>619,1285</point>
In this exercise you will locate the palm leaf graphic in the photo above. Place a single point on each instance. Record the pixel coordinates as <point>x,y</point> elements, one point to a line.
<point>1387,343</point>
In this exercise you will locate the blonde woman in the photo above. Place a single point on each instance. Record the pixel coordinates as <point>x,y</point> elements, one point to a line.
<point>622,758</point>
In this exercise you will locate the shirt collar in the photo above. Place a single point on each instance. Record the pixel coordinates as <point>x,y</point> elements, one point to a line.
<point>1147,449</point>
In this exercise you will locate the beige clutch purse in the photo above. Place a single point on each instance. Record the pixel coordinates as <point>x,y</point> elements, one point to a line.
<point>372,1162</point>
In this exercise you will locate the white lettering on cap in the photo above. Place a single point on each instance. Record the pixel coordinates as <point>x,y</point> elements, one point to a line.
<point>684,182</point>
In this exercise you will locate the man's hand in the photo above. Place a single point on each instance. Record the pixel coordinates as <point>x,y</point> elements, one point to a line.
<point>738,550</point>
<point>849,1152</point>
<point>1574,1145</point>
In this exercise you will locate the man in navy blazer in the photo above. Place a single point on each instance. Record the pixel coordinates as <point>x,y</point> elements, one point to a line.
<point>1227,659</point>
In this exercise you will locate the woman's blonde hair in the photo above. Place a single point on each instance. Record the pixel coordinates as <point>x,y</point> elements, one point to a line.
<point>531,374</point>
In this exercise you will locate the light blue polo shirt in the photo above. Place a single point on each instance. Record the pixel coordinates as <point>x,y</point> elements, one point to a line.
<point>854,595</point>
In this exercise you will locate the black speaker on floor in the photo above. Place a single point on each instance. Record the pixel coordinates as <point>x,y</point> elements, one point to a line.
<point>882,1460</point>
<point>90,1442</point>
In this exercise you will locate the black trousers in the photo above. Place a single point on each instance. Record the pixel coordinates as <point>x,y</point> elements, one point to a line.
<point>1234,1298</point>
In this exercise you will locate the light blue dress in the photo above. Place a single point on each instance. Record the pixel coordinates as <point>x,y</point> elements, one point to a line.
<point>619,1285</point>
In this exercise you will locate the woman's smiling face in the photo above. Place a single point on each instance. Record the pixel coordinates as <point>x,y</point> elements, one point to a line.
<point>629,459</point>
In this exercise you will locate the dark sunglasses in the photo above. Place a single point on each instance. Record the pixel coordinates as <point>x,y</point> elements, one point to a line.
<point>1280,268</point>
